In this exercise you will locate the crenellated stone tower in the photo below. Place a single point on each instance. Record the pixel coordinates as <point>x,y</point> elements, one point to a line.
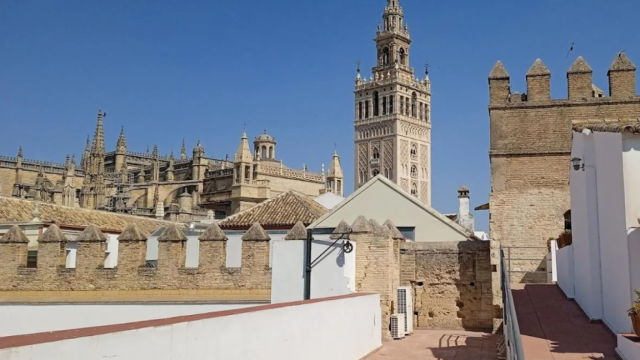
<point>393,113</point>
<point>530,152</point>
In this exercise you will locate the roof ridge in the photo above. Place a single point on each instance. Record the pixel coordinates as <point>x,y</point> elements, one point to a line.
<point>262,204</point>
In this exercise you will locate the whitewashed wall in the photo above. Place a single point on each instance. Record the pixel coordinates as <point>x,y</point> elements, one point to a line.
<point>585,228</point>
<point>566,276</point>
<point>605,202</point>
<point>29,319</point>
<point>336,329</point>
<point>331,275</point>
<point>613,231</point>
<point>111,260</point>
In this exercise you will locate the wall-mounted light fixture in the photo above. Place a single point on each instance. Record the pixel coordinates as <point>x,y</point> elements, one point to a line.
<point>577,164</point>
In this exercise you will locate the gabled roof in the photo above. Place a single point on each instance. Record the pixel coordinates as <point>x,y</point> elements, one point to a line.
<point>20,210</point>
<point>284,210</point>
<point>329,200</point>
<point>381,179</point>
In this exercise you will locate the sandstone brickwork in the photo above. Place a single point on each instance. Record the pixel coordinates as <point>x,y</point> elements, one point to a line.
<point>51,276</point>
<point>530,153</point>
<point>452,284</point>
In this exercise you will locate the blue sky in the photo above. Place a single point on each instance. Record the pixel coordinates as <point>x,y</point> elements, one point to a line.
<point>168,69</point>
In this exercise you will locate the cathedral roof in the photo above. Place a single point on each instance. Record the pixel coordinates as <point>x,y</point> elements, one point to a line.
<point>20,210</point>
<point>285,210</point>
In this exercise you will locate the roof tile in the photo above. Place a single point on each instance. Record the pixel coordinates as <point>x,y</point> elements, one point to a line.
<point>285,209</point>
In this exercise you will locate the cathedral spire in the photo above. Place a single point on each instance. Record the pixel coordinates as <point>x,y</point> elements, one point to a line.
<point>155,151</point>
<point>121,146</point>
<point>98,137</point>
<point>244,152</point>
<point>335,170</point>
<point>84,161</point>
<point>183,151</point>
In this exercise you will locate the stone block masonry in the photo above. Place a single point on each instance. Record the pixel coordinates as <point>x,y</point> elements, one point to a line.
<point>89,275</point>
<point>452,284</point>
<point>530,152</point>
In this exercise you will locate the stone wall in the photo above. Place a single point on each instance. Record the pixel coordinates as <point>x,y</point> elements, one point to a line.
<point>530,153</point>
<point>89,273</point>
<point>452,282</point>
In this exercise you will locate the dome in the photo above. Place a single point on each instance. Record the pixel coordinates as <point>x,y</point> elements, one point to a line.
<point>265,137</point>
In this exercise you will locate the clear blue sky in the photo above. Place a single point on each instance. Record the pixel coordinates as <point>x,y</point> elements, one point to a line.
<point>199,69</point>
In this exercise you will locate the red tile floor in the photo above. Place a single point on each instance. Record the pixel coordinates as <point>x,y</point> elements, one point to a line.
<point>554,328</point>
<point>439,345</point>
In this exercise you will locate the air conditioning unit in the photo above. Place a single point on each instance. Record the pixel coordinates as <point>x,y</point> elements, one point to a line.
<point>397,326</point>
<point>405,307</point>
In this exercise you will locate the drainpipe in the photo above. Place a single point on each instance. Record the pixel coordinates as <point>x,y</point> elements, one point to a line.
<point>307,265</point>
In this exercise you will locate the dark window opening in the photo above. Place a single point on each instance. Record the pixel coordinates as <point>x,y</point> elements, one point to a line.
<point>32,259</point>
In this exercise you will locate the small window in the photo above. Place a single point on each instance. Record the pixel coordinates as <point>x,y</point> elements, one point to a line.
<point>366,109</point>
<point>360,110</point>
<point>376,104</point>
<point>375,172</point>
<point>414,171</point>
<point>414,189</point>
<point>384,105</point>
<point>376,154</point>
<point>390,104</point>
<point>414,151</point>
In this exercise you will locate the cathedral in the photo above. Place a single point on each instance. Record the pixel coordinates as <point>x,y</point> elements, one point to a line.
<point>182,188</point>
<point>393,113</point>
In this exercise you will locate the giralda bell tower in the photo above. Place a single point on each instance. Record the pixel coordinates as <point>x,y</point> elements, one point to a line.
<point>393,113</point>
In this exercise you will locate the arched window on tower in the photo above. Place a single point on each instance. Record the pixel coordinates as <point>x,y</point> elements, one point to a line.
<point>426,112</point>
<point>360,110</point>
<point>376,104</point>
<point>366,109</point>
<point>376,153</point>
<point>263,153</point>
<point>385,56</point>
<point>401,105</point>
<point>384,105</point>
<point>247,174</point>
<point>390,104</point>
<point>414,189</point>
<point>376,172</point>
<point>271,150</point>
<point>402,56</point>
<point>414,152</point>
<point>414,105</point>
<point>414,171</point>
<point>421,111</point>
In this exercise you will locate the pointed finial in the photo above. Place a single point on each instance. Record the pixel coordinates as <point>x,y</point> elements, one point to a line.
<point>426,68</point>
<point>20,151</point>
<point>171,155</point>
<point>73,159</point>
<point>36,213</point>
<point>358,66</point>
<point>147,149</point>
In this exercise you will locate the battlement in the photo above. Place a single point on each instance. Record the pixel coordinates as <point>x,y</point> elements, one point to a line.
<point>390,77</point>
<point>580,87</point>
<point>281,171</point>
<point>81,264</point>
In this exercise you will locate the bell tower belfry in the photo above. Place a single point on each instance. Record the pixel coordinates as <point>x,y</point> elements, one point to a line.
<point>393,113</point>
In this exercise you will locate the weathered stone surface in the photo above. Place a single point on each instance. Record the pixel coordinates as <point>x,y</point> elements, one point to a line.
<point>213,233</point>
<point>393,230</point>
<point>452,282</point>
<point>341,231</point>
<point>298,232</point>
<point>133,233</point>
<point>91,233</point>
<point>172,233</point>
<point>15,235</point>
<point>52,234</point>
<point>256,233</point>
<point>361,225</point>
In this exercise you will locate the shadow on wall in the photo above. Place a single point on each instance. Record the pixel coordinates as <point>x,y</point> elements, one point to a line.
<point>544,312</point>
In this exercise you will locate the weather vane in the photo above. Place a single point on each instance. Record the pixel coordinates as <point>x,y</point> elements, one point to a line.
<point>358,65</point>
<point>426,68</point>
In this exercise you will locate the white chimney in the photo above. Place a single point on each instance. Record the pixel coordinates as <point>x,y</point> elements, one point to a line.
<point>465,218</point>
